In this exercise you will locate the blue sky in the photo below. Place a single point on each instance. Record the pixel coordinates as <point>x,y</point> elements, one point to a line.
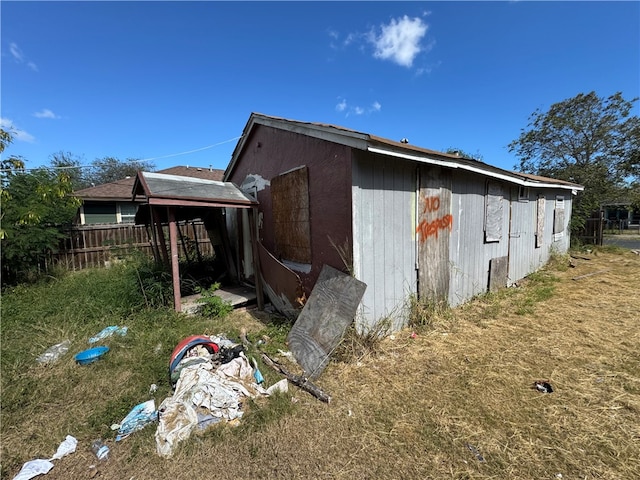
<point>154,80</point>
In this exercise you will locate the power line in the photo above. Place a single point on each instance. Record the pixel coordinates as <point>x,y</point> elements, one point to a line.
<point>191,151</point>
<point>71,167</point>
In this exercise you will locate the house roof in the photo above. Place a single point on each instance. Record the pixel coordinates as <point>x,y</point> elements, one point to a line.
<point>175,190</point>
<point>121,189</point>
<point>384,146</point>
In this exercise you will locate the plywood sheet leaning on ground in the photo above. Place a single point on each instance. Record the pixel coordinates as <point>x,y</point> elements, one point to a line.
<point>330,309</point>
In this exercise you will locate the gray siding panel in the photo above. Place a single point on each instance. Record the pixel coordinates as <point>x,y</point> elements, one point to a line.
<point>470,256</point>
<point>525,258</point>
<point>384,238</point>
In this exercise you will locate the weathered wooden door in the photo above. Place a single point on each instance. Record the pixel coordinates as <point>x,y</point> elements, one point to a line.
<point>433,232</point>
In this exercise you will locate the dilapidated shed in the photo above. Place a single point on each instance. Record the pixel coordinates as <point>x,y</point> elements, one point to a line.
<point>407,221</point>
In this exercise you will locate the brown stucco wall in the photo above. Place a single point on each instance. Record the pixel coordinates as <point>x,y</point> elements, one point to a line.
<point>270,152</point>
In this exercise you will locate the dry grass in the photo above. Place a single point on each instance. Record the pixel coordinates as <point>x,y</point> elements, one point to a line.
<point>453,402</point>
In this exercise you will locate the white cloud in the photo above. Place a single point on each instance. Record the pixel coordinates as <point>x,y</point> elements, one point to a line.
<point>17,133</point>
<point>16,52</point>
<point>19,56</point>
<point>45,113</point>
<point>399,41</point>
<point>343,106</point>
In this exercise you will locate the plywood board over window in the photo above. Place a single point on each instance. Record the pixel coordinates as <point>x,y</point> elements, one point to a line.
<point>494,212</point>
<point>290,203</point>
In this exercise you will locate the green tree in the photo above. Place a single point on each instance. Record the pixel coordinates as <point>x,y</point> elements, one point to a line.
<point>461,153</point>
<point>99,171</point>
<point>72,165</point>
<point>589,140</point>
<point>111,169</point>
<point>36,205</point>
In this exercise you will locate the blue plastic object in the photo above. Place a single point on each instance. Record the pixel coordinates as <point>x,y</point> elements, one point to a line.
<point>91,355</point>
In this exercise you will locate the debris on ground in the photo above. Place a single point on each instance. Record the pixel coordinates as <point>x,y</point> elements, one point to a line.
<point>139,417</point>
<point>542,386</point>
<point>91,355</point>
<point>579,277</point>
<point>100,449</point>
<point>107,332</point>
<point>212,377</point>
<point>33,468</point>
<point>475,451</point>
<point>53,353</point>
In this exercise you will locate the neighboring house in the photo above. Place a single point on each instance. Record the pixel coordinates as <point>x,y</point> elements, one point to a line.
<point>112,202</point>
<point>407,221</point>
<point>620,214</point>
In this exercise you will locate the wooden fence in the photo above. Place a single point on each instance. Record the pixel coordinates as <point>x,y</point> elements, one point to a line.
<point>90,246</point>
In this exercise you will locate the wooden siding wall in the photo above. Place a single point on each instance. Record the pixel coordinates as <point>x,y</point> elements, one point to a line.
<point>524,256</point>
<point>469,254</point>
<point>269,153</point>
<point>384,232</point>
<point>91,246</point>
<point>434,229</point>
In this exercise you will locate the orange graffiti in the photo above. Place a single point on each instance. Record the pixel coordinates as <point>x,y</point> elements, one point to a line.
<point>428,229</point>
<point>431,204</point>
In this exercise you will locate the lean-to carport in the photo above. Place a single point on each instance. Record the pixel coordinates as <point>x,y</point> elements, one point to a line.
<point>171,198</point>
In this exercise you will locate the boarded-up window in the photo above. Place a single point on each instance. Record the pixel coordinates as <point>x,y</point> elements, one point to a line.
<point>558,219</point>
<point>540,214</point>
<point>290,203</point>
<point>493,213</point>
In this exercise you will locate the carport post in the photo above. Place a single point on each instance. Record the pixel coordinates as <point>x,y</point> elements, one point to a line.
<point>256,257</point>
<point>175,267</point>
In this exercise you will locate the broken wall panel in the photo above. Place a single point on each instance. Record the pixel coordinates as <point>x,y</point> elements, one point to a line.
<point>281,284</point>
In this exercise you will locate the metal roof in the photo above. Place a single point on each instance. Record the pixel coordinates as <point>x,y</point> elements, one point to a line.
<point>383,146</point>
<point>121,189</point>
<point>163,189</point>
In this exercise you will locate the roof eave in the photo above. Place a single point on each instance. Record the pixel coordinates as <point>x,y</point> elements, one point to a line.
<point>494,172</point>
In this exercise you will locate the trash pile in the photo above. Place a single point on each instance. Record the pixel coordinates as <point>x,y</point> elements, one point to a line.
<point>212,376</point>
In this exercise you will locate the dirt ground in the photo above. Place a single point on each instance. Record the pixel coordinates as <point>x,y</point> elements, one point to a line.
<point>454,401</point>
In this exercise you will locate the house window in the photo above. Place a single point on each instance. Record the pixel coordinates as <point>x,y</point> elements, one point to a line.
<point>558,219</point>
<point>493,212</point>
<point>99,213</point>
<point>523,193</point>
<point>128,212</point>
<point>290,204</point>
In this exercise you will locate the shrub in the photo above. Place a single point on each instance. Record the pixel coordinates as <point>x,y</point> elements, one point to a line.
<point>213,305</point>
